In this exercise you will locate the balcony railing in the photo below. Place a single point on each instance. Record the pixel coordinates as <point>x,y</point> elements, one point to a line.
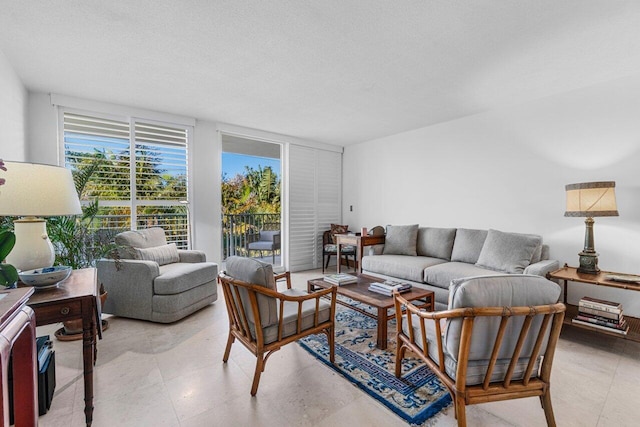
<point>236,230</point>
<point>175,226</point>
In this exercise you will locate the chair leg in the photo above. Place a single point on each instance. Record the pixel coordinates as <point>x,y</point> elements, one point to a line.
<point>399,356</point>
<point>331,337</point>
<point>256,375</point>
<point>460,410</point>
<point>230,341</point>
<point>545,399</point>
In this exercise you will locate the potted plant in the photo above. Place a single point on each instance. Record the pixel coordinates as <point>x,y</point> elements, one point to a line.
<point>77,243</point>
<point>8,273</point>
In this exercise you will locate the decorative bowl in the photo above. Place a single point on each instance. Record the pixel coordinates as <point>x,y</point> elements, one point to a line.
<point>45,277</point>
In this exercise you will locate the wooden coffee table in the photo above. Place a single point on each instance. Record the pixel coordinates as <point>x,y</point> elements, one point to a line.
<point>360,292</point>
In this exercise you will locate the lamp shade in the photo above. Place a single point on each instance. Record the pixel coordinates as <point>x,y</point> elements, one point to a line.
<point>33,189</point>
<point>589,199</point>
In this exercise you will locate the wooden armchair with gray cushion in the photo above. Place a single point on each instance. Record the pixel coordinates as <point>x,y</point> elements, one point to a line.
<point>495,342</point>
<point>250,293</point>
<point>154,280</point>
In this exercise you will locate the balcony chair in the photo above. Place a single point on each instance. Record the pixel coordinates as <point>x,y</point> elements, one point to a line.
<point>265,240</point>
<point>330,248</point>
<point>495,341</point>
<point>152,280</point>
<point>250,293</point>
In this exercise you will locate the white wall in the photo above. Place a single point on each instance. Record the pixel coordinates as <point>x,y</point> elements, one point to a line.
<point>13,114</point>
<point>506,169</point>
<point>206,164</point>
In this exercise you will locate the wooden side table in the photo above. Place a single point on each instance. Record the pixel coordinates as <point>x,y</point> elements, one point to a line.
<point>18,335</point>
<point>359,242</point>
<point>570,274</point>
<point>75,298</point>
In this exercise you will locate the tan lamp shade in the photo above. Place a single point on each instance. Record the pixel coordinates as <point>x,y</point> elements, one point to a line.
<point>590,199</point>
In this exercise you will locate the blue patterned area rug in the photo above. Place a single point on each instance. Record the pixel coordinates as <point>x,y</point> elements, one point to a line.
<point>416,397</point>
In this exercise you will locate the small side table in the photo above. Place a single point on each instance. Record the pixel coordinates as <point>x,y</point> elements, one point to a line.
<point>570,274</point>
<point>359,242</point>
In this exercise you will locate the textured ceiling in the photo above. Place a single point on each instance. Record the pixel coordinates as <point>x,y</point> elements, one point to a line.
<point>335,71</point>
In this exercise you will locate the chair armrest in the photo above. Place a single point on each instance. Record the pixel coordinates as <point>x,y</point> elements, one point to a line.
<point>130,286</point>
<point>191,256</point>
<point>283,276</point>
<point>542,268</point>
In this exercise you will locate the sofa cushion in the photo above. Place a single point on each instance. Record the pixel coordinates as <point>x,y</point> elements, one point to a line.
<point>165,254</point>
<point>435,242</point>
<point>401,240</point>
<point>508,252</point>
<point>441,275</point>
<point>400,266</point>
<point>468,245</point>
<point>179,277</point>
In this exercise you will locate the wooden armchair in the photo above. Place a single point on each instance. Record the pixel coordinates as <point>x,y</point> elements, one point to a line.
<point>488,345</point>
<point>264,319</point>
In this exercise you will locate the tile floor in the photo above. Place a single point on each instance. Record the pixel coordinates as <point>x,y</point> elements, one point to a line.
<point>172,375</point>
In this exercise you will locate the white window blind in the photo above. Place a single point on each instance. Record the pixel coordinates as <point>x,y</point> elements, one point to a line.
<point>315,201</point>
<point>142,171</point>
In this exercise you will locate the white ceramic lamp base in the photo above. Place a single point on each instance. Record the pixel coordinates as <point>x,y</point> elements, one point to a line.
<point>33,249</point>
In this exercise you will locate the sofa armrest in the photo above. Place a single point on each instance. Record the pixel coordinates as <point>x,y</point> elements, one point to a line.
<point>129,284</point>
<point>542,268</point>
<point>191,255</point>
<point>373,250</point>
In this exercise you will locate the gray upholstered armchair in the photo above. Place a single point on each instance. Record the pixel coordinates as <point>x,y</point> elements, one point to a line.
<point>154,280</point>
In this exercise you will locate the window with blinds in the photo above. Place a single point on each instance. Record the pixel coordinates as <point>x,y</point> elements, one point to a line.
<point>136,169</point>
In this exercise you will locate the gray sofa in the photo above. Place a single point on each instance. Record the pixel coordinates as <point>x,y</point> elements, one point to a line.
<point>431,257</point>
<point>154,280</point>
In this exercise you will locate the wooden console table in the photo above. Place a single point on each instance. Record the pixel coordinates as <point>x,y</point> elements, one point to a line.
<point>75,298</point>
<point>359,242</point>
<point>18,336</point>
<point>570,274</point>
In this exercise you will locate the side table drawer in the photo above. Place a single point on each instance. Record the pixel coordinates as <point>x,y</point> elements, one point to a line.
<point>55,313</point>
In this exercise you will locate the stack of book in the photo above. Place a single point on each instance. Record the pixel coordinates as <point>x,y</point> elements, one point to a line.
<point>388,287</point>
<point>341,279</point>
<point>601,314</point>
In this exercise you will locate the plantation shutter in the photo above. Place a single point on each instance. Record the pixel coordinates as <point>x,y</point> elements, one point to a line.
<point>315,195</point>
<point>160,153</point>
<point>142,178</point>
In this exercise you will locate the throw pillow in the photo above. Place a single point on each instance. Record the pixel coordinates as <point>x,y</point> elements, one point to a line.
<point>468,245</point>
<point>508,252</point>
<point>435,242</point>
<point>165,254</point>
<point>401,240</point>
<point>337,229</point>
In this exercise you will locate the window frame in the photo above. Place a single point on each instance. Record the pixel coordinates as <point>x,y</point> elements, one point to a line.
<point>133,203</point>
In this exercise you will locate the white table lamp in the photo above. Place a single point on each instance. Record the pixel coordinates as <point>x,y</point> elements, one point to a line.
<point>33,191</point>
